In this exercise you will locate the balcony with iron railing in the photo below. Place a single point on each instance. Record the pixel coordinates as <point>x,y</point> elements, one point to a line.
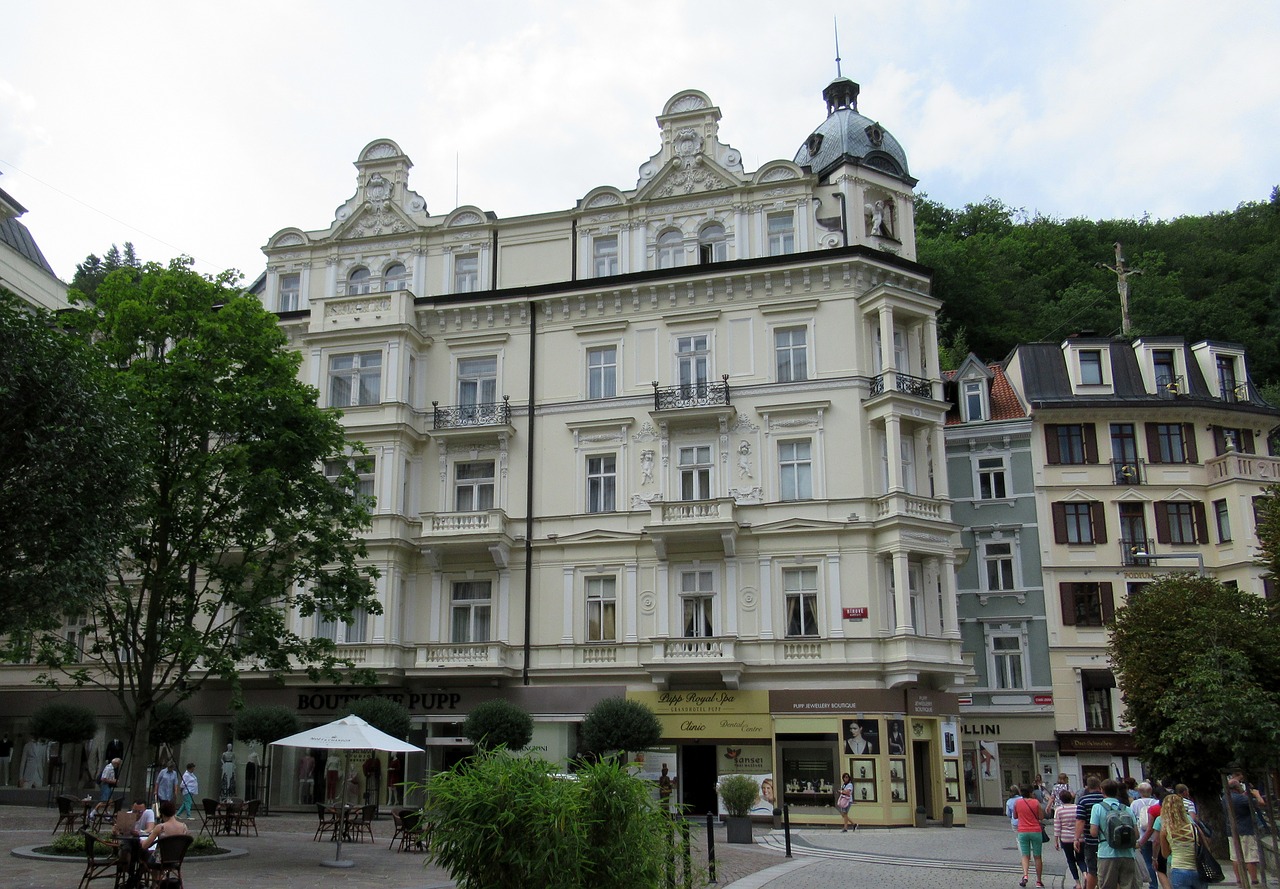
<point>1234,393</point>
<point>691,395</point>
<point>470,416</point>
<point>898,381</point>
<point>1168,386</point>
<point>1128,472</point>
<point>1136,553</point>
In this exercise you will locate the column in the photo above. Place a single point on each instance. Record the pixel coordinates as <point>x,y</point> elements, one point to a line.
<point>902,595</point>
<point>662,593</point>
<point>950,616</point>
<point>631,595</point>
<point>766,603</point>
<point>888,361</point>
<point>893,451</point>
<point>567,597</point>
<point>730,598</point>
<point>834,597</point>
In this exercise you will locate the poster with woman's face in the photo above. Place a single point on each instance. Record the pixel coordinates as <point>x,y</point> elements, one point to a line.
<point>897,737</point>
<point>861,736</point>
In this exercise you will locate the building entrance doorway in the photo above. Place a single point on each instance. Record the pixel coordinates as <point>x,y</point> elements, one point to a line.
<point>698,778</point>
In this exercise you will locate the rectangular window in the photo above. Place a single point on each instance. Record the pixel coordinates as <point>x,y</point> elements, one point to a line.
<point>357,630</point>
<point>1090,367</point>
<point>1228,440</point>
<point>1006,657</point>
<point>695,473</point>
<point>1086,604</point>
<point>473,486</point>
<point>1071,444</point>
<point>1227,379</point>
<point>973,392</point>
<point>466,273</point>
<point>782,234</point>
<point>1182,522</point>
<point>795,470</point>
<point>364,467</point>
<point>998,561</point>
<point>290,288</point>
<point>602,483</point>
<point>801,588</point>
<point>478,380</point>
<point>604,256</point>
<point>355,378</point>
<point>1096,686</point>
<point>791,354</point>
<point>1133,532</point>
<point>325,628</point>
<point>1223,520</point>
<point>991,479</point>
<point>697,595</point>
<point>1166,371</point>
<point>1078,521</point>
<point>470,608</point>
<point>693,365</point>
<point>602,609</point>
<point>602,372</point>
<point>1124,443</point>
<point>1170,442</point>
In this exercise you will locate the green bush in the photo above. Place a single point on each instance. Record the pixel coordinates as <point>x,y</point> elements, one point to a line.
<point>383,714</point>
<point>617,724</point>
<point>505,821</point>
<point>265,724</point>
<point>67,844</point>
<point>170,724</point>
<point>64,723</point>
<point>498,723</point>
<point>739,793</point>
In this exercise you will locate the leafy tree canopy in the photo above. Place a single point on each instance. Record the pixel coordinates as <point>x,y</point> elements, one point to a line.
<point>498,723</point>
<point>618,724</point>
<point>234,527</point>
<point>65,470</point>
<point>171,723</point>
<point>1268,512</point>
<point>64,723</point>
<point>1198,664</point>
<point>384,714</point>
<point>265,724</point>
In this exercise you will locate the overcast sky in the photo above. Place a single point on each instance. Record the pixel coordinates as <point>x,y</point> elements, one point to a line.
<point>205,128</point>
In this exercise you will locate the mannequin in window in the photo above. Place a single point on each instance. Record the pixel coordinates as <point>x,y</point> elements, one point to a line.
<point>6,754</point>
<point>251,766</point>
<point>372,779</point>
<point>227,788</point>
<point>332,773</point>
<point>306,779</point>
<point>395,775</point>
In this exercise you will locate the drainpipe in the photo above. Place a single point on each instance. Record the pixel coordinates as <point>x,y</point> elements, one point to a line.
<point>494,259</point>
<point>573,251</point>
<point>844,218</point>
<point>528,496</point>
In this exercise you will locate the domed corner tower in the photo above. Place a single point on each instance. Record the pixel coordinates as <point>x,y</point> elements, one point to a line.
<point>855,157</point>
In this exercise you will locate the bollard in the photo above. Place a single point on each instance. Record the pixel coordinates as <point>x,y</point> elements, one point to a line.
<point>777,818</point>
<point>948,817</point>
<point>786,826</point>
<point>920,818</point>
<point>711,848</point>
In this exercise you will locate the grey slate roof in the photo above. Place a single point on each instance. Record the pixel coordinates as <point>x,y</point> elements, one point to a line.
<point>847,135</point>
<point>16,235</point>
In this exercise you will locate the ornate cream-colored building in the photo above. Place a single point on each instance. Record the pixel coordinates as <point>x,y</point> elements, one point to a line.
<point>681,441</point>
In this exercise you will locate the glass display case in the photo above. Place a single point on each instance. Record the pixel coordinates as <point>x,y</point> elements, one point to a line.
<point>862,769</point>
<point>898,779</point>
<point>808,776</point>
<point>951,779</point>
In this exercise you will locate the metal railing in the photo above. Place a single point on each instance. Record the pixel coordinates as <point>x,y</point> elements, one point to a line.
<point>1237,394</point>
<point>455,416</point>
<point>902,382</point>
<point>691,395</point>
<point>1135,553</point>
<point>1127,472</point>
<point>1169,386</point>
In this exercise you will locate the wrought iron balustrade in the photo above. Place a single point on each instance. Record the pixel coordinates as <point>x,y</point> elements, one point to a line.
<point>1238,394</point>
<point>902,382</point>
<point>1135,552</point>
<point>1127,472</point>
<point>691,395</point>
<point>456,416</point>
<point>1169,386</point>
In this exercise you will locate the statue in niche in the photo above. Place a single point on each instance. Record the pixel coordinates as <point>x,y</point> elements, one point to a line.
<point>646,467</point>
<point>881,214</point>
<point>744,460</point>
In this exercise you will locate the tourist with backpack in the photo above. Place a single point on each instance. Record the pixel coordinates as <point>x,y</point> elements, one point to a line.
<point>1112,822</point>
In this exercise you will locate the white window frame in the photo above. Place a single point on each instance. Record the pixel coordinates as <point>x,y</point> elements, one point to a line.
<point>393,280</point>
<point>971,390</point>
<point>290,292</point>
<point>1002,557</point>
<point>602,374</point>
<point>604,256</point>
<point>1001,472</point>
<point>669,250</point>
<point>362,377</point>
<point>466,272</point>
<point>601,594</point>
<point>694,473</point>
<point>477,610</point>
<point>693,363</point>
<point>1091,373</point>
<point>800,597</point>
<point>359,281</point>
<point>713,244</point>
<point>791,359</point>
<point>1222,520</point>
<point>356,630</point>
<point>697,599</point>
<point>476,384</point>
<point>795,469</point>
<point>477,488</point>
<point>1004,663</point>
<point>602,483</point>
<point>780,238</point>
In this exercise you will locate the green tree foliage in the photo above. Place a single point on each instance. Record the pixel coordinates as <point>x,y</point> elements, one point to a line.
<point>1199,666</point>
<point>618,724</point>
<point>739,793</point>
<point>171,723</point>
<point>93,271</point>
<point>383,714</point>
<point>65,470</point>
<point>64,723</point>
<point>265,724</point>
<point>504,821</point>
<point>498,723</point>
<point>235,526</point>
<point>1268,511</point>
<point>1005,277</point>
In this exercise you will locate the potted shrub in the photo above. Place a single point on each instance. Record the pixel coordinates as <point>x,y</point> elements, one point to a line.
<point>739,793</point>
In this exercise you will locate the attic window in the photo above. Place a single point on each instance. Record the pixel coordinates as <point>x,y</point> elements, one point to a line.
<point>875,133</point>
<point>813,144</point>
<point>974,401</point>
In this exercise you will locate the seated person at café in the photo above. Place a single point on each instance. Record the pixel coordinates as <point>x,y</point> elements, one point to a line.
<point>167,826</point>
<point>144,818</point>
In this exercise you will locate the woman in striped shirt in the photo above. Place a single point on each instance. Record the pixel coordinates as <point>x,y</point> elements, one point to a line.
<point>1064,832</point>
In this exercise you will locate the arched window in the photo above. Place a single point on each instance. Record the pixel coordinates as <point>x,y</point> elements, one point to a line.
<point>359,281</point>
<point>712,245</point>
<point>395,277</point>
<point>670,250</point>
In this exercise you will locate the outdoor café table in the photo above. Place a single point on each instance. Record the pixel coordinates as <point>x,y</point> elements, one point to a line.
<point>229,814</point>
<point>88,802</point>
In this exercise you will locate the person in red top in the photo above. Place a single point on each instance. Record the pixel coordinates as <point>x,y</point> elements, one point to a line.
<point>1030,839</point>
<point>1149,843</point>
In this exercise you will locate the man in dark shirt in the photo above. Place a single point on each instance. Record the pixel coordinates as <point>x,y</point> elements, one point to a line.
<point>1086,843</point>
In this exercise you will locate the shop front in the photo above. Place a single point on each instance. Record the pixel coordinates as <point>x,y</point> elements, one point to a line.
<point>1000,751</point>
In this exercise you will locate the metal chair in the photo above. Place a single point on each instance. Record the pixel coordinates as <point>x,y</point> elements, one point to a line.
<point>328,822</point>
<point>69,814</point>
<point>209,819</point>
<point>102,861</point>
<point>360,823</point>
<point>249,817</point>
<point>167,873</point>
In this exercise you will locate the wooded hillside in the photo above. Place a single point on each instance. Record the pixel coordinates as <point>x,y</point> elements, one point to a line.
<point>1005,277</point>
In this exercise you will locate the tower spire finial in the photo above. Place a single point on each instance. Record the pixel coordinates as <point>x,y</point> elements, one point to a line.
<point>835,22</point>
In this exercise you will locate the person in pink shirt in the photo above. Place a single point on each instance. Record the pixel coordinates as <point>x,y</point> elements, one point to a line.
<point>1064,831</point>
<point>1030,841</point>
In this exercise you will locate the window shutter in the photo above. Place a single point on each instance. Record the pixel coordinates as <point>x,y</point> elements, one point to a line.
<point>1090,443</point>
<point>1246,441</point>
<point>1051,443</point>
<point>1202,527</point>
<point>1067,593</point>
<point>1189,442</point>
<point>1059,522</point>
<point>1162,522</point>
<point>1108,601</point>
<point>1219,440</point>
<point>1098,519</point>
<point>1153,443</point>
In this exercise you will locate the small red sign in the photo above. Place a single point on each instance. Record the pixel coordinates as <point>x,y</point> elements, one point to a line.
<point>1043,700</point>
<point>855,613</point>
<point>964,700</point>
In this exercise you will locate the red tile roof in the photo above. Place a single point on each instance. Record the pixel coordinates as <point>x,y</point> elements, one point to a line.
<point>1004,403</point>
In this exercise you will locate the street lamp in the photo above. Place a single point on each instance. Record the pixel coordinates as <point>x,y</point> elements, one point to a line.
<point>1138,553</point>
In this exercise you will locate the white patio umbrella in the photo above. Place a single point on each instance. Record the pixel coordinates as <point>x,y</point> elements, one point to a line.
<point>349,733</point>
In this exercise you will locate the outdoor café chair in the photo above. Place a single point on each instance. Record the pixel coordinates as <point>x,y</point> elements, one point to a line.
<point>70,814</point>
<point>102,862</point>
<point>209,822</point>
<point>327,822</point>
<point>167,873</point>
<point>249,817</point>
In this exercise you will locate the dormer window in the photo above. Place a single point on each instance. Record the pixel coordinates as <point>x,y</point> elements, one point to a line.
<point>290,287</point>
<point>1228,385</point>
<point>973,405</point>
<point>1091,367</point>
<point>1166,371</point>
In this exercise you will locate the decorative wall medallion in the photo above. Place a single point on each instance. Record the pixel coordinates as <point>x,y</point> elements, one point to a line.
<point>748,599</point>
<point>645,433</point>
<point>378,190</point>
<point>648,602</point>
<point>604,200</point>
<point>687,143</point>
<point>468,218</point>
<point>290,240</point>
<point>380,150</point>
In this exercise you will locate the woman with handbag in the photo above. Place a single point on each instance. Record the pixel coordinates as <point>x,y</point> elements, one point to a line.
<point>1179,837</point>
<point>1064,832</point>
<point>845,800</point>
<point>1031,834</point>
